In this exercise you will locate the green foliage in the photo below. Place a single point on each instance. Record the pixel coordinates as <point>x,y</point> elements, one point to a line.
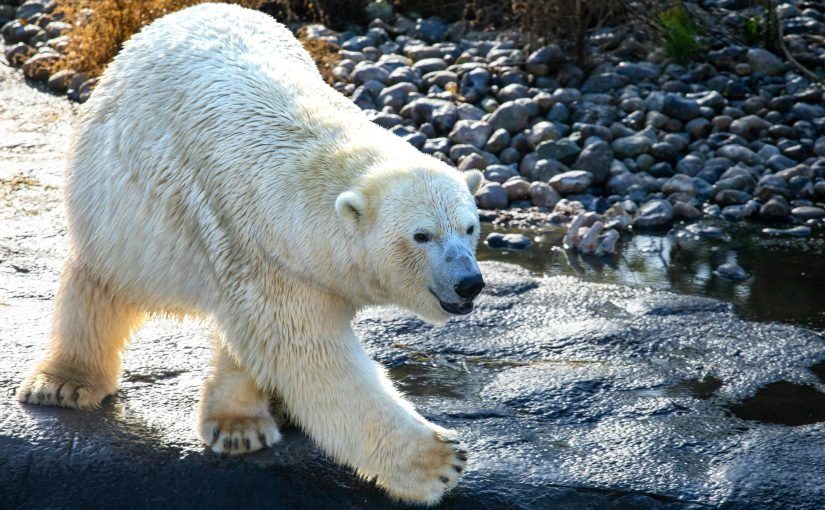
<point>679,34</point>
<point>754,29</point>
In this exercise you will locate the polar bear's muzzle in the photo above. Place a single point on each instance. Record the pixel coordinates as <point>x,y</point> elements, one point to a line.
<point>467,289</point>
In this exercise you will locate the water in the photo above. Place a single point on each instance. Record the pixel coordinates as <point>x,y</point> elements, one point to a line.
<point>786,282</point>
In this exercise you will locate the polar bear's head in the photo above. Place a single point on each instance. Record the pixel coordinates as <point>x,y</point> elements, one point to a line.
<point>419,230</point>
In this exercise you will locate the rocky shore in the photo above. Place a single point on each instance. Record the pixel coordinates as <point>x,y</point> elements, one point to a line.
<point>628,143</point>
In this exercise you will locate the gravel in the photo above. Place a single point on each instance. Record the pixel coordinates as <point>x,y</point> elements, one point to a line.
<point>738,134</point>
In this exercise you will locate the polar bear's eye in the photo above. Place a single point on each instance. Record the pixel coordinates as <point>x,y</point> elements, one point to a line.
<point>421,237</point>
<point>471,229</point>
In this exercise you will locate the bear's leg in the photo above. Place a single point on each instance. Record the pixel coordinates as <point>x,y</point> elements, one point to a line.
<point>90,329</point>
<point>346,403</point>
<point>234,412</point>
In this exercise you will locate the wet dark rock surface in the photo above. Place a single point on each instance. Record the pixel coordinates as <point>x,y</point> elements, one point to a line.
<point>570,394</point>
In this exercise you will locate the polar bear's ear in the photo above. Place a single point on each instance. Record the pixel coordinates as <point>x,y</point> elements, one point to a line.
<point>473,178</point>
<point>351,205</point>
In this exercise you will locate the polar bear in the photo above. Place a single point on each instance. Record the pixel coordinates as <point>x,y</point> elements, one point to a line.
<point>213,172</point>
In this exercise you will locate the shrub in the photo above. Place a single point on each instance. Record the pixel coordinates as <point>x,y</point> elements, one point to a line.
<point>101,27</point>
<point>679,34</point>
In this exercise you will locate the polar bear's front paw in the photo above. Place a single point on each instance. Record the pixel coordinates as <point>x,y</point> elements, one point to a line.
<point>234,435</point>
<point>50,390</point>
<point>434,466</point>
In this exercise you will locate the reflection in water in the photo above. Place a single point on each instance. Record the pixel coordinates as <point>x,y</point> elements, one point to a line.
<point>786,283</point>
<point>783,403</point>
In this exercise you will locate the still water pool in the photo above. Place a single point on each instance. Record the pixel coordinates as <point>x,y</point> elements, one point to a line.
<point>786,280</point>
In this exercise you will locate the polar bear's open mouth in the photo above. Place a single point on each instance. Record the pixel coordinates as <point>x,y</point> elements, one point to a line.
<point>462,308</point>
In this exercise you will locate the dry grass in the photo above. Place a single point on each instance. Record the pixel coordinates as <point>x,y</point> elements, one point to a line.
<point>101,27</point>
<point>323,53</point>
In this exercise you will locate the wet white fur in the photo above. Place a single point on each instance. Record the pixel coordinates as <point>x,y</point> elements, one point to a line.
<point>214,172</point>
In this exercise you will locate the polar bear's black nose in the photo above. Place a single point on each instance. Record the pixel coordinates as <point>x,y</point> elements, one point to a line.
<point>470,286</point>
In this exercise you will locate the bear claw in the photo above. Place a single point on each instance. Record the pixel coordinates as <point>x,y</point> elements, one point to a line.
<point>239,435</point>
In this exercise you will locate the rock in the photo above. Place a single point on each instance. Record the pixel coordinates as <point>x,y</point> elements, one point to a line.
<point>440,113</point>
<point>474,133</point>
<point>574,181</point>
<point>596,158</point>
<point>638,71</point>
<point>731,197</point>
<point>738,153</point>
<point>509,155</point>
<point>436,144</point>
<point>512,116</point>
<point>631,146</point>
<point>703,230</point>
<point>775,209</point>
<point>499,139</point>
<point>29,9</point>
<point>664,151</point>
<point>680,107</point>
<point>517,189</point>
<point>698,128</point>
<point>38,67</point>
<point>367,71</point>
<point>429,65</point>
<point>546,169</point>
<point>807,212</point>
<point>59,81</point>
<point>771,185</point>
<point>731,271</point>
<point>18,53</point>
<point>559,112</point>
<point>765,62</point>
<point>601,83</point>
<point>512,92</point>
<point>475,84</point>
<point>395,96</point>
<point>17,32</point>
<point>543,195</point>
<point>545,60</point>
<point>499,173</point>
<point>805,111</point>
<point>508,241</point>
<point>379,9</point>
<point>679,184</point>
<point>357,43</point>
<point>540,132</point>
<point>654,213</point>
<point>685,211</point>
<point>472,162</point>
<point>564,150</point>
<point>800,231</point>
<point>690,165</point>
<point>431,30</point>
<point>492,196</point>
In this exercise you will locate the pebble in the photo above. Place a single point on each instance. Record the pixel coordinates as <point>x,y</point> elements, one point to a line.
<point>564,150</point>
<point>799,231</point>
<point>731,271</point>
<point>765,62</point>
<point>807,212</point>
<point>631,146</point>
<point>508,241</point>
<point>512,116</point>
<point>574,181</point>
<point>654,213</point>
<point>740,134</point>
<point>492,196</point>
<point>543,195</point>
<point>596,158</point>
